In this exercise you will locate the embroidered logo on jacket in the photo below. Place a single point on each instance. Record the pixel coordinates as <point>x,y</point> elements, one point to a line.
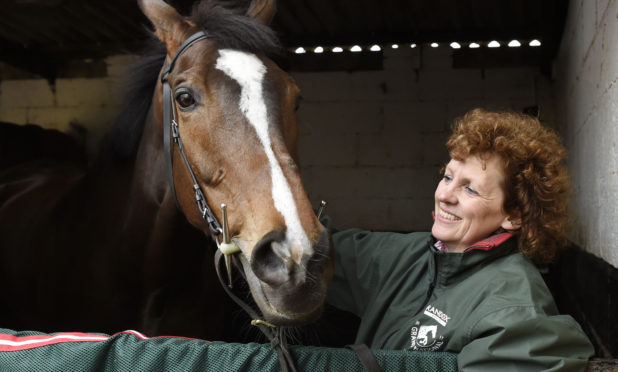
<point>425,337</point>
<point>437,315</point>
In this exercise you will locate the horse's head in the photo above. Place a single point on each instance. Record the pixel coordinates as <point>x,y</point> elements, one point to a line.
<point>236,114</point>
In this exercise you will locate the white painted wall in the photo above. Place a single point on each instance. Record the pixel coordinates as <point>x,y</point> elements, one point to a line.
<point>586,91</point>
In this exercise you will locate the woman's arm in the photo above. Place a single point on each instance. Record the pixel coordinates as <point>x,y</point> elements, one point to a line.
<point>524,338</point>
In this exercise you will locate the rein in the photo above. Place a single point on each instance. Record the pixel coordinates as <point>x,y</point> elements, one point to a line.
<point>275,335</point>
<point>226,247</point>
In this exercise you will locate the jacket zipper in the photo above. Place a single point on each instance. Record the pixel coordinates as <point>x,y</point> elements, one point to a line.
<point>432,286</point>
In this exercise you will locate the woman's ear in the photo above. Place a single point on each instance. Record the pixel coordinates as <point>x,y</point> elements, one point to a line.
<point>511,223</point>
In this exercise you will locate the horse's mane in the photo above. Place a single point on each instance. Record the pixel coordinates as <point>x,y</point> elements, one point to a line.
<point>226,23</point>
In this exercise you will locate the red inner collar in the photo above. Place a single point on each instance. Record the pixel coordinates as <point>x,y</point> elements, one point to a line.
<point>490,242</point>
<point>487,243</point>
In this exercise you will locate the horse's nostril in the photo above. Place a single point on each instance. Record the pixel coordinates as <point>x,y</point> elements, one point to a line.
<point>270,261</point>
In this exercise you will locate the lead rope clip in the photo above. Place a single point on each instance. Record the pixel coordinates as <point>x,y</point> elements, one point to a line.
<point>227,246</point>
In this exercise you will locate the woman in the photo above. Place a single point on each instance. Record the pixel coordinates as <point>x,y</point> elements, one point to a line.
<point>469,286</point>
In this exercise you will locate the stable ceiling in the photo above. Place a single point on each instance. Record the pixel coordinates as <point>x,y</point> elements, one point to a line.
<point>42,36</point>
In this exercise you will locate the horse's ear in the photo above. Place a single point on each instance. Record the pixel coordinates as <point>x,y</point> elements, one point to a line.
<point>262,10</point>
<point>170,27</point>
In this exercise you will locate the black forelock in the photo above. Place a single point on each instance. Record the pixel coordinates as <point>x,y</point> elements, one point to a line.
<point>227,23</point>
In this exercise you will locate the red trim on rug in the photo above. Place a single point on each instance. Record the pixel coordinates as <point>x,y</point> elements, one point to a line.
<point>9,342</point>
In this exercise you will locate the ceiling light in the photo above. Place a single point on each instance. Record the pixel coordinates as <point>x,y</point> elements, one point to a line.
<point>356,48</point>
<point>375,48</point>
<point>455,45</point>
<point>337,49</point>
<point>493,44</point>
<point>412,45</point>
<point>434,45</point>
<point>395,46</point>
<point>300,50</point>
<point>514,44</point>
<point>535,43</point>
<point>474,45</point>
<point>318,50</point>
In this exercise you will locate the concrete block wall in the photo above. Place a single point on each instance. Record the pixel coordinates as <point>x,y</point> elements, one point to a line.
<point>88,102</point>
<point>586,91</point>
<point>372,143</point>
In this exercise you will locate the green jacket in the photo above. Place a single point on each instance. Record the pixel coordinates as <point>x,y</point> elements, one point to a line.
<point>489,304</point>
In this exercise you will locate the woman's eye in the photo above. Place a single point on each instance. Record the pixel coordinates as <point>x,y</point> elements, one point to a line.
<point>185,100</point>
<point>446,178</point>
<point>471,191</point>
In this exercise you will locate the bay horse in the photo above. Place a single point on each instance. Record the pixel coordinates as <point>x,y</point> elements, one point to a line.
<point>118,246</point>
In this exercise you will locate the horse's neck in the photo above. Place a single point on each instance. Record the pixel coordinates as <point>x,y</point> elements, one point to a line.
<point>150,197</point>
<point>170,239</point>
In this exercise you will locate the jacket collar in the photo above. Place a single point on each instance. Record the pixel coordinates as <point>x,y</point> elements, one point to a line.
<point>452,267</point>
<point>491,242</point>
<point>484,245</point>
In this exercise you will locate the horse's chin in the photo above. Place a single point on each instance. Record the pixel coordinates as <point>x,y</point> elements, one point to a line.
<point>294,308</point>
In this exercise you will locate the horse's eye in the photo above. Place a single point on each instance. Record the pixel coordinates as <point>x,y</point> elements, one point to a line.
<point>185,100</point>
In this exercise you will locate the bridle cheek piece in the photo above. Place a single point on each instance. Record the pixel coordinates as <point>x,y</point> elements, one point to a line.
<point>226,246</point>
<point>170,127</point>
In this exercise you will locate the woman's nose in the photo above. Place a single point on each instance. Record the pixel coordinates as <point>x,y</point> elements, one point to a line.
<point>446,193</point>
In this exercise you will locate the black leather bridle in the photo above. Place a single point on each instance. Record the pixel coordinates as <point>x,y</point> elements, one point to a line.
<point>275,334</point>
<point>170,128</point>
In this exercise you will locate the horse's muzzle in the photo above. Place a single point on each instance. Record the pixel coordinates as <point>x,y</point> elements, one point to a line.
<point>288,281</point>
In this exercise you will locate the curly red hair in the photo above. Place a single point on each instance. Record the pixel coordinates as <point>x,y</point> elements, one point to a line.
<point>536,182</point>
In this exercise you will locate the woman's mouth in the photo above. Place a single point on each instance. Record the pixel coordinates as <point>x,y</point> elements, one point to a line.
<point>447,216</point>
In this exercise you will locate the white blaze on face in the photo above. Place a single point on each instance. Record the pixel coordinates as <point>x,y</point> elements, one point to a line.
<point>248,71</point>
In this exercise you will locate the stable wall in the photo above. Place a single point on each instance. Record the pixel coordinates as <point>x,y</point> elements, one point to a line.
<point>586,103</point>
<point>69,105</point>
<point>371,142</point>
<point>586,96</point>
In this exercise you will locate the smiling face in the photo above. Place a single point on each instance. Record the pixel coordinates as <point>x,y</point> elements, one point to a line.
<point>468,202</point>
